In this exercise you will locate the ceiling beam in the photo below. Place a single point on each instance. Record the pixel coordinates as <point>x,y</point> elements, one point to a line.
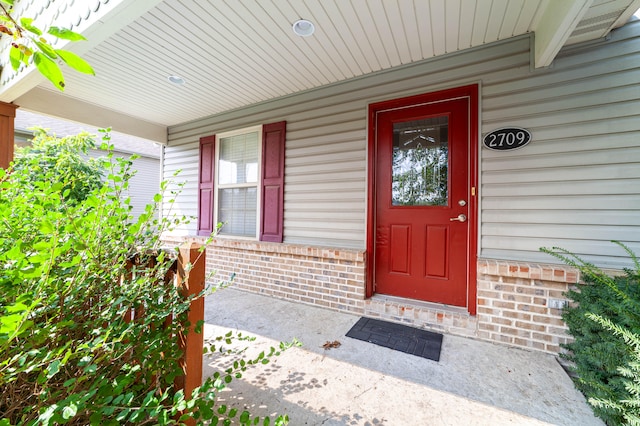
<point>556,24</point>
<point>56,104</point>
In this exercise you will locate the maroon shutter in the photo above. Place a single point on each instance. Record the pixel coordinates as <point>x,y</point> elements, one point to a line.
<point>272,182</point>
<point>205,185</point>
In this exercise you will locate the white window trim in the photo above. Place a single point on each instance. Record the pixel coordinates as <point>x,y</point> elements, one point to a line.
<point>217,187</point>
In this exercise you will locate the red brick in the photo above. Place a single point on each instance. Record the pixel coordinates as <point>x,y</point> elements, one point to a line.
<point>502,321</point>
<point>531,326</point>
<point>548,320</point>
<point>533,308</point>
<point>505,305</point>
<point>488,327</point>
<point>515,332</point>
<point>517,315</point>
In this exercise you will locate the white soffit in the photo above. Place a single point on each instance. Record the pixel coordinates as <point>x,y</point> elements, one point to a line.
<point>602,17</point>
<point>236,53</point>
<point>95,19</point>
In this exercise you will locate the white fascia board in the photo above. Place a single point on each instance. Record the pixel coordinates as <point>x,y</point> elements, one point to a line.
<point>53,103</point>
<point>557,23</point>
<point>626,15</point>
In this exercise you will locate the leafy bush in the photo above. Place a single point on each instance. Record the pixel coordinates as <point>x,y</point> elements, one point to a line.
<point>604,320</point>
<point>74,265</point>
<point>61,160</point>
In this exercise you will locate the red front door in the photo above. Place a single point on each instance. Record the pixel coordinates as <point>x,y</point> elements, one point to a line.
<point>423,191</point>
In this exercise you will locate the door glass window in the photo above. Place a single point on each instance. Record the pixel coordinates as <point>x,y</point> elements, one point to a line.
<point>420,166</point>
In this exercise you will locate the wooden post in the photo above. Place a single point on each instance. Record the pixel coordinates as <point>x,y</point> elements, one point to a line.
<point>7,137</point>
<point>191,283</point>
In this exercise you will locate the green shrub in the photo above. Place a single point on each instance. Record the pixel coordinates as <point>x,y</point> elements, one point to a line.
<point>62,160</point>
<point>73,262</point>
<point>604,320</point>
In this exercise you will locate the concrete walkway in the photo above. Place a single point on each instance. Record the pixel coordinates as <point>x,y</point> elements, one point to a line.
<point>358,383</point>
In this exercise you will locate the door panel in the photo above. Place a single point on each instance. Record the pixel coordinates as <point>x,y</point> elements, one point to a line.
<point>436,252</point>
<point>401,248</point>
<point>421,201</point>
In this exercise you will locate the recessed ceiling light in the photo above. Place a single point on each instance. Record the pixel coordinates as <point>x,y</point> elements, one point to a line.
<point>176,79</point>
<point>303,28</point>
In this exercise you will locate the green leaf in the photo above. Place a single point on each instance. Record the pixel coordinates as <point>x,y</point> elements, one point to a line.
<point>46,416</point>
<point>178,396</point>
<point>15,56</point>
<point>198,329</point>
<point>16,307</point>
<point>9,323</point>
<point>46,49</point>
<point>75,62</point>
<point>27,25</point>
<point>54,367</point>
<point>49,69</point>
<point>65,34</point>
<point>46,227</point>
<point>14,252</point>
<point>96,418</point>
<point>69,411</point>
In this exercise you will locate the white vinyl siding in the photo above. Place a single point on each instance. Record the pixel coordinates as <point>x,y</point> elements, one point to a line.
<point>180,166</point>
<point>574,186</point>
<point>326,147</point>
<point>143,185</point>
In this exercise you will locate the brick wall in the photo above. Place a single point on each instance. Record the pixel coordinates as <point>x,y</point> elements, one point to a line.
<point>512,305</point>
<point>331,278</point>
<point>514,299</point>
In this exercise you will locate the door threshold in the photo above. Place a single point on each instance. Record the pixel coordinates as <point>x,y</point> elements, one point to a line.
<point>427,315</point>
<point>385,298</point>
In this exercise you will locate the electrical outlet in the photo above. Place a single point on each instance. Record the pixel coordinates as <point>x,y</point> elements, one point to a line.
<point>557,303</point>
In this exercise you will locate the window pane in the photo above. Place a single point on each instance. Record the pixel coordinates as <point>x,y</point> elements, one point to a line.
<point>420,162</point>
<point>237,211</point>
<point>238,159</point>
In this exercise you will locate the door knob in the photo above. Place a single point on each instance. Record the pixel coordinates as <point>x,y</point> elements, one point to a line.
<point>460,218</point>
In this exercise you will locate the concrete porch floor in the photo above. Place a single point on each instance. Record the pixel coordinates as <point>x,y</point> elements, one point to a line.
<point>358,383</point>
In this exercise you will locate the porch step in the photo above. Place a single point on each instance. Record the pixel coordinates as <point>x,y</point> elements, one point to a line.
<point>419,314</point>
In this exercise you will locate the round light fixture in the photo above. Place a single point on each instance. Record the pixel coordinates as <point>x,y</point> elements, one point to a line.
<point>303,28</point>
<point>176,79</point>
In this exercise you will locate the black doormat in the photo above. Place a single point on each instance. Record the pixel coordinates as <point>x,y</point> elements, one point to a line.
<point>422,343</point>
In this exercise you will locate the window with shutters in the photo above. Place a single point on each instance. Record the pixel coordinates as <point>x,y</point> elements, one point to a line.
<point>238,168</point>
<point>241,183</point>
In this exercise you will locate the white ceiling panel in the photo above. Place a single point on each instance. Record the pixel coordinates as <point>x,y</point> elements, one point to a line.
<point>233,53</point>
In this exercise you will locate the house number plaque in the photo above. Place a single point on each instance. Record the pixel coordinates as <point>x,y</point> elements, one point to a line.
<point>507,138</point>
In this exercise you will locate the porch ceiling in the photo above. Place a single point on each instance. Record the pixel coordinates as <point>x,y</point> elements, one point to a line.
<point>238,52</point>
